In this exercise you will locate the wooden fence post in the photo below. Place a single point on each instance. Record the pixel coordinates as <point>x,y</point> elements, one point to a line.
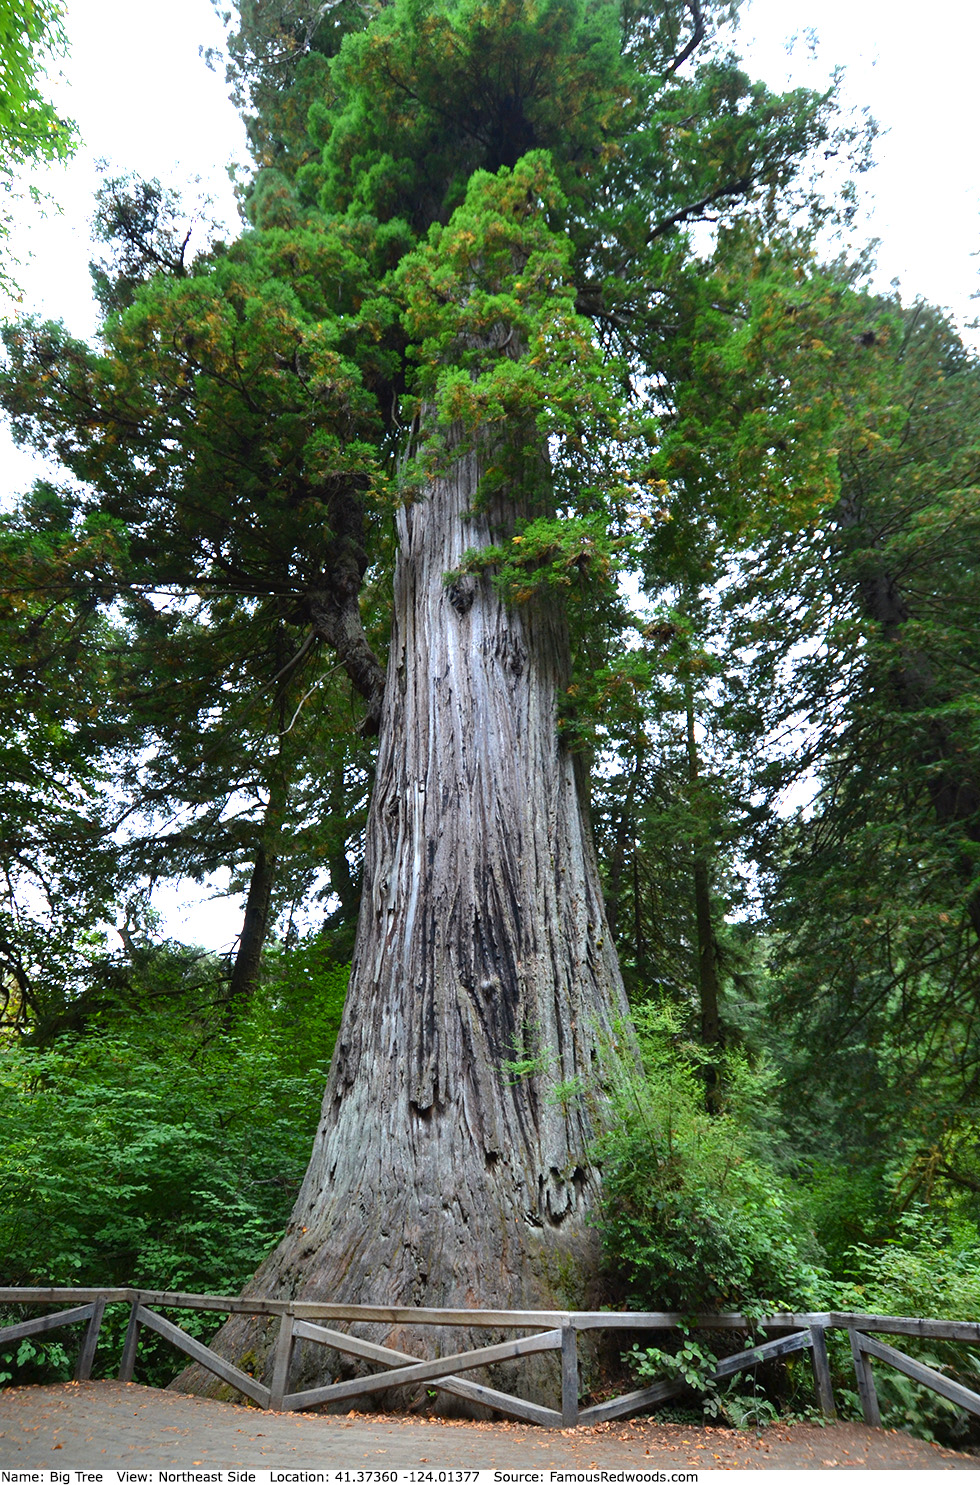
<point>821,1371</point>
<point>280,1368</point>
<point>865,1381</point>
<point>569,1376</point>
<point>130,1344</point>
<point>86,1356</point>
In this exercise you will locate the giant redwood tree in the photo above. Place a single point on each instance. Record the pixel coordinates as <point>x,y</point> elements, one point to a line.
<point>469,261</point>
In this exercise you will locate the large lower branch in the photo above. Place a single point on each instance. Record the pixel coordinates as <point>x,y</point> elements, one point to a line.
<point>337,620</point>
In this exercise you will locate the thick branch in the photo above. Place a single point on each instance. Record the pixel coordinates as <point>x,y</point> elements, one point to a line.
<point>685,213</point>
<point>694,41</point>
<point>254,929</point>
<point>336,618</point>
<point>956,1179</point>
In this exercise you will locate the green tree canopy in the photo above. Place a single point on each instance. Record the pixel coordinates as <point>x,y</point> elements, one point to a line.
<point>31,130</point>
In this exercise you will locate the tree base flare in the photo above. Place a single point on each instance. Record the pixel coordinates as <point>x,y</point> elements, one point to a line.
<point>554,1271</point>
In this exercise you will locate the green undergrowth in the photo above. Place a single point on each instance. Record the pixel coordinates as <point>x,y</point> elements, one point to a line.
<point>164,1149</point>
<point>161,1149</point>
<point>700,1215</point>
<point>696,1216</point>
<point>930,1268</point>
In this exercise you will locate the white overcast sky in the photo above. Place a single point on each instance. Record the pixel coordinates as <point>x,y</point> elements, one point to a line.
<point>145,101</point>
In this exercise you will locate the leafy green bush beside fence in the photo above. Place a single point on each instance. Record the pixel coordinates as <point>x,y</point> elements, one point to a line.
<point>159,1151</point>
<point>695,1216</point>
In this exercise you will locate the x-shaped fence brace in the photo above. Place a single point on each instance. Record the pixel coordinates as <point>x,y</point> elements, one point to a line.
<point>552,1331</point>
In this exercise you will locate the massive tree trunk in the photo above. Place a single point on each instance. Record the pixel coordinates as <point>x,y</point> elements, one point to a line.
<point>452,1164</point>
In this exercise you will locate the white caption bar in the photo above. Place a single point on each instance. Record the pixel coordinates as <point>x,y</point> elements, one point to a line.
<point>511,1476</point>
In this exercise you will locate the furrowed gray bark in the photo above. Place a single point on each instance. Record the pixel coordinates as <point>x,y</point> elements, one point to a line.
<point>451,1166</point>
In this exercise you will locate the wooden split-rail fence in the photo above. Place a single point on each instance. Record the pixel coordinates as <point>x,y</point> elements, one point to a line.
<point>556,1331</point>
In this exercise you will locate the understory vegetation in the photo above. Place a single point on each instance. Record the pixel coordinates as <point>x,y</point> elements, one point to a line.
<point>716,1210</point>
<point>164,1149</point>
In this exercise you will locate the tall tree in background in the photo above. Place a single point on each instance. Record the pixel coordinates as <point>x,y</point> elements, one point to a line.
<point>885,956</point>
<point>61,729</point>
<point>841,429</point>
<point>199,437</point>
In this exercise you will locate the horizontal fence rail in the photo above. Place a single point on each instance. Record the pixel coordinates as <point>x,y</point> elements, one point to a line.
<point>556,1331</point>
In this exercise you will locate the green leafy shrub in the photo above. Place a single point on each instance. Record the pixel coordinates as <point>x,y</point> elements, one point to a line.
<point>695,1218</point>
<point>123,1164</point>
<point>851,1204</point>
<point>927,1270</point>
<point>160,1151</point>
<point>297,1016</point>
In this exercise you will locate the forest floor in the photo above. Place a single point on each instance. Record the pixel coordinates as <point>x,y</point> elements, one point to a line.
<point>116,1425</point>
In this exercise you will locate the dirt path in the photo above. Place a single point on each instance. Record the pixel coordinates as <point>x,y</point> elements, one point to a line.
<point>87,1424</point>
